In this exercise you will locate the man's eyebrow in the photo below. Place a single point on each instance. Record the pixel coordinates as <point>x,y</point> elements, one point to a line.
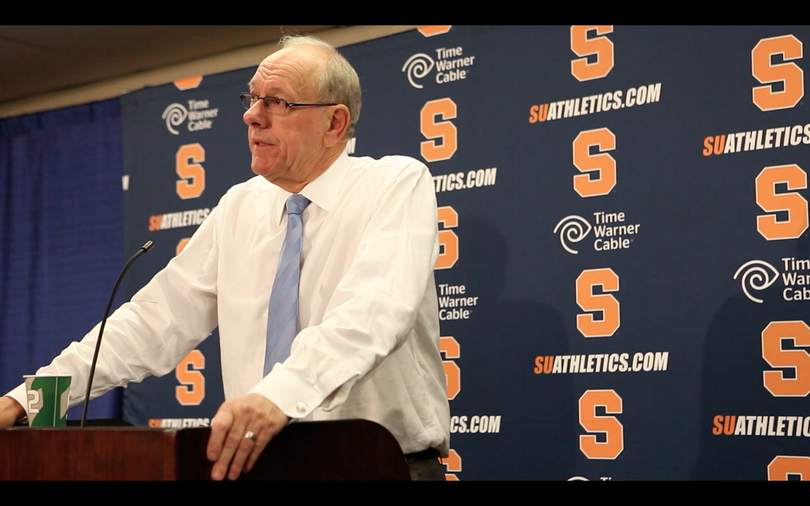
<point>274,90</point>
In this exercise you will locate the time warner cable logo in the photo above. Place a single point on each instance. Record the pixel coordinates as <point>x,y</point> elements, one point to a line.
<point>759,275</point>
<point>572,229</point>
<point>199,114</point>
<point>175,114</point>
<point>756,275</point>
<point>452,65</point>
<point>418,65</point>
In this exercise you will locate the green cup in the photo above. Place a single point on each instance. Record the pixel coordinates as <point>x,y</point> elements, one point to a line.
<point>47,400</point>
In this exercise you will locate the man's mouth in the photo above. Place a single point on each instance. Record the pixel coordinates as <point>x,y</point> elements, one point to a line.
<point>261,144</point>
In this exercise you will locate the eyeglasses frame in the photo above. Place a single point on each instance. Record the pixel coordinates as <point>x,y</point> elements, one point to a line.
<point>287,104</point>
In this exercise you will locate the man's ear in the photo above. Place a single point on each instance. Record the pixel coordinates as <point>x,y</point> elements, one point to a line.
<point>337,127</point>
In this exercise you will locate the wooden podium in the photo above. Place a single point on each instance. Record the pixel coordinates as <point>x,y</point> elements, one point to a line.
<point>335,450</point>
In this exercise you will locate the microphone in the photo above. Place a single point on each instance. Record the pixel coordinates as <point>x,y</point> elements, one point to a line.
<point>146,247</point>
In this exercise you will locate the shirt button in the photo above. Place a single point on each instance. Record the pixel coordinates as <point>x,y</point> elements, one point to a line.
<point>301,407</point>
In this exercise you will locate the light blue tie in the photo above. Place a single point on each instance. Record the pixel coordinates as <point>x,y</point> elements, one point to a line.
<point>282,317</point>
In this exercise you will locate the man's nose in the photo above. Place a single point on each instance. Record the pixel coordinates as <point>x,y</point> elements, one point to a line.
<point>256,115</point>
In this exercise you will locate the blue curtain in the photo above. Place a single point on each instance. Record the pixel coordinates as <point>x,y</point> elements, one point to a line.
<point>61,234</point>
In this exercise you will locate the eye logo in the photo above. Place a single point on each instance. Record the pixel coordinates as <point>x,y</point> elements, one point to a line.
<point>572,228</point>
<point>175,114</point>
<point>757,275</point>
<point>418,65</point>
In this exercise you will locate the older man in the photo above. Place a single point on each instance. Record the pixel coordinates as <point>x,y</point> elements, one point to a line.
<point>362,232</point>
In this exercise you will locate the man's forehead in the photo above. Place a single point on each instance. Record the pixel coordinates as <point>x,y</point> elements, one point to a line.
<point>256,83</point>
<point>272,84</point>
<point>286,69</point>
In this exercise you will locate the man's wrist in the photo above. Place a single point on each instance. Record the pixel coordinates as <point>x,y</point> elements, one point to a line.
<point>15,411</point>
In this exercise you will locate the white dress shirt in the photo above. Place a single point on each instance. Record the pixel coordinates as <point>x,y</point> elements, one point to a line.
<point>368,313</point>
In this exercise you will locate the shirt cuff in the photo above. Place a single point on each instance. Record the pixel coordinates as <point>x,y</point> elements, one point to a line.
<point>294,397</point>
<point>19,395</point>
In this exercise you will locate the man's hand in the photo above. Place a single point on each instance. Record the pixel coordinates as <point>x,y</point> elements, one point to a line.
<point>10,411</point>
<point>228,448</point>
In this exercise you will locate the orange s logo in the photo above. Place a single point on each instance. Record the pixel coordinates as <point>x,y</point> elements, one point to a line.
<point>783,465</point>
<point>448,240</point>
<point>191,391</point>
<point>431,30</point>
<point>772,202</point>
<point>451,349</point>
<point>788,74</point>
<point>188,83</point>
<point>155,221</point>
<point>612,429</point>
<point>192,174</point>
<point>453,465</point>
<point>444,130</point>
<point>776,356</point>
<point>582,46</point>
<point>601,165</point>
<point>605,303</point>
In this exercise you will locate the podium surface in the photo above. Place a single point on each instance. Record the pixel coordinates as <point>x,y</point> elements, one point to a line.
<point>334,450</point>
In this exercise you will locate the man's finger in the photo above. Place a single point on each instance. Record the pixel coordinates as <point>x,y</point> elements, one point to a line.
<point>246,446</point>
<point>232,442</point>
<point>220,426</point>
<point>229,447</point>
<point>261,442</point>
<point>232,439</point>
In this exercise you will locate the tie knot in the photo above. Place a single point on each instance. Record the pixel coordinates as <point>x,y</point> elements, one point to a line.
<point>296,204</point>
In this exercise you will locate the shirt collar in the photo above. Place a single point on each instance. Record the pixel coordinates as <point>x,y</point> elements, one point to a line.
<point>324,190</point>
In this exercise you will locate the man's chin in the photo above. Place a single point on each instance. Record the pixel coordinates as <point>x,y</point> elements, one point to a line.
<point>270,175</point>
<point>261,169</point>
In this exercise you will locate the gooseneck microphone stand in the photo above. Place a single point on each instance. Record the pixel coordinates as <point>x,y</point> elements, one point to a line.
<point>146,247</point>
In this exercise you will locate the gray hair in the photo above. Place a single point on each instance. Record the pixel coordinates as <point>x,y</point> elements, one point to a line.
<point>338,83</point>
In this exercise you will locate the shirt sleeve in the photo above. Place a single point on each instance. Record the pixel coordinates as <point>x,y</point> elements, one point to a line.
<point>152,333</point>
<point>374,307</point>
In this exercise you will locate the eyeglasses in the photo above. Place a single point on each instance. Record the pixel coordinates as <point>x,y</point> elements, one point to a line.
<point>274,105</point>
